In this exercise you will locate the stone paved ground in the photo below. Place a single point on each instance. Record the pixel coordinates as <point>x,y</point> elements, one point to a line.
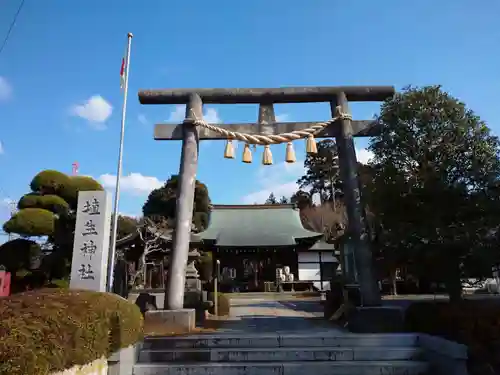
<point>259,315</point>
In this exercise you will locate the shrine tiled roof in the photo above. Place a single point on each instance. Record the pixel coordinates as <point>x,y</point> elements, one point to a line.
<point>256,226</point>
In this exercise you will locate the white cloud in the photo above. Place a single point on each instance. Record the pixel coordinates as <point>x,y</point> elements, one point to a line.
<point>6,202</point>
<point>282,118</point>
<point>95,110</point>
<point>178,114</point>
<point>2,149</point>
<point>280,179</point>
<point>7,207</point>
<point>5,89</point>
<point>134,183</point>
<point>211,116</point>
<point>142,119</point>
<point>135,216</point>
<point>364,156</point>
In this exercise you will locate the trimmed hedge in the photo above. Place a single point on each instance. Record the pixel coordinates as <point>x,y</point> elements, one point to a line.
<point>31,222</point>
<point>49,182</point>
<point>475,323</point>
<point>58,283</point>
<point>52,203</point>
<point>50,330</point>
<point>223,304</point>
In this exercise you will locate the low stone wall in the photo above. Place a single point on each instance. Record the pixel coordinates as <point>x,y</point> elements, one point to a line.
<point>159,296</point>
<point>98,367</point>
<point>120,363</point>
<point>444,356</point>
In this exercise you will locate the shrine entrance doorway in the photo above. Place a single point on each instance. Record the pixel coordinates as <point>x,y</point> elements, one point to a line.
<point>253,270</point>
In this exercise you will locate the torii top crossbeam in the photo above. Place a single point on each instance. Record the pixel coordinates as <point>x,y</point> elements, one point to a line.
<point>305,94</point>
<point>266,97</point>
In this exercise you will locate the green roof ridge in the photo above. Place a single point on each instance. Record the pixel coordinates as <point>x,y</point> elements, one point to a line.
<point>256,226</point>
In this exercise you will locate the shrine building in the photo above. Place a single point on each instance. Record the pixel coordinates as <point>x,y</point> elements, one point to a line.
<point>252,241</point>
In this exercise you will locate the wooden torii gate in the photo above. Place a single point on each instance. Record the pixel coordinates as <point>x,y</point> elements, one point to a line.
<point>341,127</point>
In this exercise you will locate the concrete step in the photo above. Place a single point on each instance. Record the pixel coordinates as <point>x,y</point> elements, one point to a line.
<point>279,354</point>
<point>272,296</point>
<point>272,341</point>
<point>290,368</point>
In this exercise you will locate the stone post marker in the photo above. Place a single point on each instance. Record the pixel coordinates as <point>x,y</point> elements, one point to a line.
<point>91,246</point>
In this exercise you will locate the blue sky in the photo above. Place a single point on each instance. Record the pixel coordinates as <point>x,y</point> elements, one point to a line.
<point>60,100</point>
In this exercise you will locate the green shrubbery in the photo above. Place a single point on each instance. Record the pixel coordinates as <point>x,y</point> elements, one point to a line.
<point>204,265</point>
<point>475,323</point>
<point>52,203</point>
<point>59,283</point>
<point>31,222</point>
<point>49,209</point>
<point>55,329</point>
<point>17,254</point>
<point>223,304</point>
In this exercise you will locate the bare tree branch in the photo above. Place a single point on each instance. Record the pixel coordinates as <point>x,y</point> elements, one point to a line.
<point>151,244</point>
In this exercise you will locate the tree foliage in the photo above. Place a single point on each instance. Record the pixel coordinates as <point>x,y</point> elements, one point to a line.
<point>31,222</point>
<point>434,165</point>
<point>302,199</point>
<point>52,203</point>
<point>53,198</point>
<point>126,225</point>
<point>204,265</point>
<point>76,184</point>
<point>50,210</point>
<point>50,182</point>
<point>322,172</point>
<point>271,199</point>
<point>161,203</point>
<point>17,254</point>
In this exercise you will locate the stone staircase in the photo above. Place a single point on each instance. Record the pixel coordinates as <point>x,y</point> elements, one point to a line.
<point>314,353</point>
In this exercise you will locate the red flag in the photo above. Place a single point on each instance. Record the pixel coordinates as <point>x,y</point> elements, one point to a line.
<point>122,74</point>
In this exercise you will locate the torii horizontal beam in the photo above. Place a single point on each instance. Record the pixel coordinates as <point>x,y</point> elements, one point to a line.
<point>306,94</point>
<point>171,132</point>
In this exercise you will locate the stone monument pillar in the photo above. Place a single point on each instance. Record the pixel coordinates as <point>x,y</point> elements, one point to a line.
<point>193,296</point>
<point>89,266</point>
<point>193,282</point>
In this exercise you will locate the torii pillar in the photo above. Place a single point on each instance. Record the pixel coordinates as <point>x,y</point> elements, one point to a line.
<point>176,277</point>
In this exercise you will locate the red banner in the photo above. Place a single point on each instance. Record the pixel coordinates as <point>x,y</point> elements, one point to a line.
<point>4,284</point>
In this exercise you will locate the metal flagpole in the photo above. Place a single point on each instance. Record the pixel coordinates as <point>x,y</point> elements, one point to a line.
<point>111,265</point>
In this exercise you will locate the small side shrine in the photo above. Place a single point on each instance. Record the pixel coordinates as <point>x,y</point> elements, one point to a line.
<point>147,254</point>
